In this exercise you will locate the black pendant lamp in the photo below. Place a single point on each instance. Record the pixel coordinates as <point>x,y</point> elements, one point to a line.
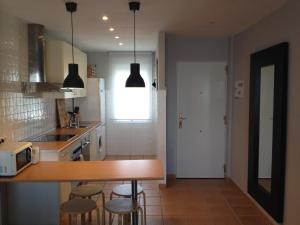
<point>135,79</point>
<point>73,80</point>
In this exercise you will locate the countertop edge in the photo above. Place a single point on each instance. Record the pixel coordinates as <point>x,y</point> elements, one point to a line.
<point>68,143</point>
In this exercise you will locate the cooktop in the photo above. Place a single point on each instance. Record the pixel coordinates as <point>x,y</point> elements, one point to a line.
<point>53,137</point>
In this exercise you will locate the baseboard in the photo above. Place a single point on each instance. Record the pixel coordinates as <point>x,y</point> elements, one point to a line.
<point>162,185</point>
<point>171,176</point>
<point>260,208</point>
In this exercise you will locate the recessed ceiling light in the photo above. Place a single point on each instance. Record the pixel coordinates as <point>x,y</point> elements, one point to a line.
<point>111,29</point>
<point>117,37</point>
<point>105,18</point>
<point>120,43</point>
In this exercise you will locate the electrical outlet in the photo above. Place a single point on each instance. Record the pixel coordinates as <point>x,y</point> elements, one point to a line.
<point>239,89</point>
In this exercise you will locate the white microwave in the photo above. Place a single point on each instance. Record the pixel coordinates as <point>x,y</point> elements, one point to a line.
<point>14,157</point>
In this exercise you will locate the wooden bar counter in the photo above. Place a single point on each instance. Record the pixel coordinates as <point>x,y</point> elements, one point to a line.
<point>90,171</point>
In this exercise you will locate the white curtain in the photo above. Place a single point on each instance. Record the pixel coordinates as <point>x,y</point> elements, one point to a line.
<point>129,110</point>
<point>130,104</point>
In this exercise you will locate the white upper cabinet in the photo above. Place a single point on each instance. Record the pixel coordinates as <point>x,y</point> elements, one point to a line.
<point>58,56</point>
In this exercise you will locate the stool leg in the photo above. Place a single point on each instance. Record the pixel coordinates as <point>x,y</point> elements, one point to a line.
<point>83,219</point>
<point>98,216</point>
<point>90,213</point>
<point>144,198</point>
<point>142,216</point>
<point>126,219</point>
<point>103,210</point>
<point>60,217</point>
<point>69,215</point>
<point>120,219</point>
<point>75,220</point>
<point>70,219</point>
<point>110,219</point>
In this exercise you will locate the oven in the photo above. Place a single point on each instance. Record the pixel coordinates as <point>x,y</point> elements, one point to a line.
<point>81,152</point>
<point>76,154</point>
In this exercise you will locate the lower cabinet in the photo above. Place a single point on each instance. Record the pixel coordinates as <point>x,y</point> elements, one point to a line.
<point>38,203</point>
<point>34,203</point>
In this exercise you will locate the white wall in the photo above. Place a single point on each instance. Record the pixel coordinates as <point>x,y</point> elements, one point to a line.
<point>160,130</point>
<point>283,25</point>
<point>161,61</point>
<point>185,49</point>
<point>100,59</point>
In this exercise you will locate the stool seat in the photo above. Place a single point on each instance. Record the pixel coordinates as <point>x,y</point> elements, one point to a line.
<point>120,206</point>
<point>78,206</point>
<point>86,190</point>
<point>125,190</point>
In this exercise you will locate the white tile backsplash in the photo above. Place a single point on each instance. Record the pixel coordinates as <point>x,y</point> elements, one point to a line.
<point>20,116</point>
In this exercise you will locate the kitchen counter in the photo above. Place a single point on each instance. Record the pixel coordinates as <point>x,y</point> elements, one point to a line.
<point>36,193</point>
<point>61,145</point>
<point>110,170</point>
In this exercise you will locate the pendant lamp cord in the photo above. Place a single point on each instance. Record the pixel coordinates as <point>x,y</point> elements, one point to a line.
<point>134,36</point>
<point>72,36</point>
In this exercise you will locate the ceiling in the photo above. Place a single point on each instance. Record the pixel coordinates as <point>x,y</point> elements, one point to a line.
<point>181,17</point>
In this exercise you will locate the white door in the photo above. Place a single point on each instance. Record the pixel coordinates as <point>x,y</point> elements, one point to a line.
<point>201,101</point>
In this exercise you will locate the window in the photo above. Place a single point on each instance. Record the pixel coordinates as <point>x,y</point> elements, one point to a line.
<point>130,103</point>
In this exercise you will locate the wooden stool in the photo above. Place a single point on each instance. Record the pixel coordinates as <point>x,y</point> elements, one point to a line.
<point>124,190</point>
<point>122,207</point>
<point>88,191</point>
<point>75,207</point>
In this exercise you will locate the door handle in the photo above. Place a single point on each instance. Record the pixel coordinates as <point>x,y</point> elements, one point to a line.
<point>181,118</point>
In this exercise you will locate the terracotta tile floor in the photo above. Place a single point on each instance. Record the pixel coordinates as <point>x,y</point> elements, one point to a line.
<point>195,202</point>
<point>192,202</point>
<point>208,202</point>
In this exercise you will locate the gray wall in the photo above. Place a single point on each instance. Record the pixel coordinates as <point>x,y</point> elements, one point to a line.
<point>185,49</point>
<point>283,25</point>
<point>101,60</point>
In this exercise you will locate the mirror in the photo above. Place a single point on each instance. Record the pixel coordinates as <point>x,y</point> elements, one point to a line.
<point>267,128</point>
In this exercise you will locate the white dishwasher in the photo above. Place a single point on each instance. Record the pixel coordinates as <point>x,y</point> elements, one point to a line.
<point>97,147</point>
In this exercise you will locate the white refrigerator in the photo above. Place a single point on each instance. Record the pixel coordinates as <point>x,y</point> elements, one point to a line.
<point>92,108</point>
